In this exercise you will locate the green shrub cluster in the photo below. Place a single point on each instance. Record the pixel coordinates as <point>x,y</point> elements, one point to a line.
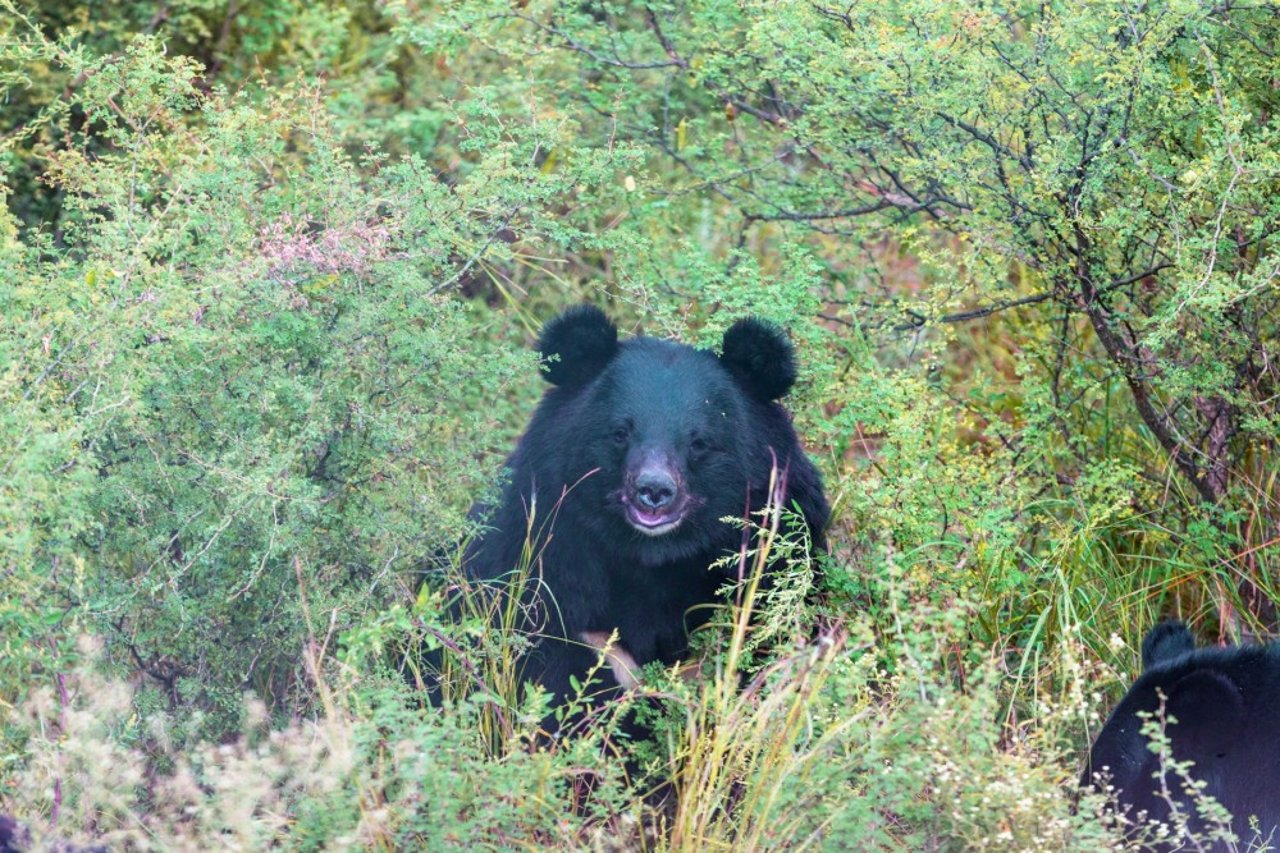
<point>233,374</point>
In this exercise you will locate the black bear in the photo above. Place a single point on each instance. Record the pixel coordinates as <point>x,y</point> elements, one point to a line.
<point>622,479</point>
<point>1226,704</point>
<point>14,837</point>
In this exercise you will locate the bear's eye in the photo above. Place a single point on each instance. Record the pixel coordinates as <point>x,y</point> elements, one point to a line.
<point>699,445</point>
<point>621,434</point>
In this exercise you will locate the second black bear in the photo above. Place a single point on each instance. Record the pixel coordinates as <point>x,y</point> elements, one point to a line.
<point>1226,704</point>
<point>634,456</point>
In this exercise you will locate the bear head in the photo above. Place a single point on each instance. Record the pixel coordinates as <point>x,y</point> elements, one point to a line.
<point>665,440</point>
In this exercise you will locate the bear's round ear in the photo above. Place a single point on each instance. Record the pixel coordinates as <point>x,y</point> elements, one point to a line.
<point>583,339</point>
<point>760,356</point>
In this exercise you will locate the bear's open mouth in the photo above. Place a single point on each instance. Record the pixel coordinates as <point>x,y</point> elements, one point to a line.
<point>655,523</point>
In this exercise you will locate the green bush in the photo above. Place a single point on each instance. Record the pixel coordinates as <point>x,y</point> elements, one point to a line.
<point>239,379</point>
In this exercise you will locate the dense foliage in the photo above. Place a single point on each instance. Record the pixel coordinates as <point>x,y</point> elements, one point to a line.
<point>267,279</point>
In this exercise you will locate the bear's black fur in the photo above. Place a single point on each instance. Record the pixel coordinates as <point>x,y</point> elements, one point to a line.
<point>633,457</point>
<point>1226,702</point>
<point>14,837</point>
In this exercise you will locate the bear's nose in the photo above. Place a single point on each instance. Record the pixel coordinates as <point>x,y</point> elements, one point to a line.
<point>655,489</point>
